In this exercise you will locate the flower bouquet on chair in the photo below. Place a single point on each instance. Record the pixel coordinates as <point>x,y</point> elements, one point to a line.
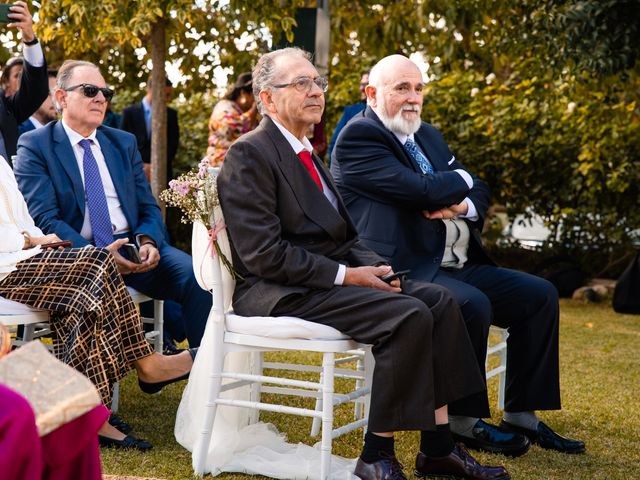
<point>195,193</point>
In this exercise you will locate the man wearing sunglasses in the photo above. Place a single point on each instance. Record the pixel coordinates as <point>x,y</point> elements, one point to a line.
<point>85,182</point>
<point>24,81</point>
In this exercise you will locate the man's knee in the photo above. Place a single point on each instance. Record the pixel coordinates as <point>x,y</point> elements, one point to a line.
<point>477,310</point>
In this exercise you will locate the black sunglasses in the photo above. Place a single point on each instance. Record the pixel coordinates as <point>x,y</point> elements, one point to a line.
<point>90,91</point>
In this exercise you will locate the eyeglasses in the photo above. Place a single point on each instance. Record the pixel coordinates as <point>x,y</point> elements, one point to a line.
<point>304,84</point>
<point>90,91</point>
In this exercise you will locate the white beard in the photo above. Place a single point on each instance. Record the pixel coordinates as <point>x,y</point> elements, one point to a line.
<point>398,124</point>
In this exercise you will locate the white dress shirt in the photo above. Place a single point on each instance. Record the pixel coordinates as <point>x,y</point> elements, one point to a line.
<point>118,220</point>
<point>305,144</point>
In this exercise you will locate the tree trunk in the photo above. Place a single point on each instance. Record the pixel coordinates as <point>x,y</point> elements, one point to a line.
<point>158,112</point>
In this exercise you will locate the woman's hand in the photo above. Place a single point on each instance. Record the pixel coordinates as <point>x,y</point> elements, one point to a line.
<point>30,242</point>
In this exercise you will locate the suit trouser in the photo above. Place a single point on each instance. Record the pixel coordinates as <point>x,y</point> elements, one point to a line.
<point>173,279</point>
<point>528,306</point>
<point>423,355</point>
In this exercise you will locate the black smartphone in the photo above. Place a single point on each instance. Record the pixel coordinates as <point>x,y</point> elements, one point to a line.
<point>4,13</point>
<point>393,276</point>
<point>63,244</point>
<point>131,252</point>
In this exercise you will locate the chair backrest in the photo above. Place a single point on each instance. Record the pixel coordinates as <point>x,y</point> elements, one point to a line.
<point>208,269</point>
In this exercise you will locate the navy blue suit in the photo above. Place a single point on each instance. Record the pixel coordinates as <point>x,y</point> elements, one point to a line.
<point>385,192</point>
<point>50,180</point>
<point>26,126</point>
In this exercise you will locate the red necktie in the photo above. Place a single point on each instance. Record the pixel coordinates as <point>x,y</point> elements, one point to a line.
<point>305,158</point>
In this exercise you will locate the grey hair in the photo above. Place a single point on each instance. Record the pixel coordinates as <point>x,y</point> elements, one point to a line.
<point>65,72</point>
<point>264,73</point>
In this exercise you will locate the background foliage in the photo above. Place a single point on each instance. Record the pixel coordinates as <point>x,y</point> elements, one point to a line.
<point>538,97</point>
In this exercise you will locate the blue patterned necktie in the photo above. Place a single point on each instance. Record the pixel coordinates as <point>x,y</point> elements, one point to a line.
<point>418,156</point>
<point>96,198</point>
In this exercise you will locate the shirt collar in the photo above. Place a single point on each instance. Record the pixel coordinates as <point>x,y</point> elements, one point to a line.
<point>296,144</point>
<point>146,106</point>
<point>36,122</point>
<point>75,137</point>
<point>403,138</point>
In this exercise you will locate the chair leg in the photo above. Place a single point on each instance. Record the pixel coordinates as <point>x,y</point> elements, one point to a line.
<point>28,332</point>
<point>158,323</point>
<point>358,407</point>
<point>328,366</point>
<point>115,399</point>
<point>201,448</point>
<point>315,425</point>
<point>502,377</point>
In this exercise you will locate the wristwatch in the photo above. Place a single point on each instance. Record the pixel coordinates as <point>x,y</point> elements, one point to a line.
<point>32,42</point>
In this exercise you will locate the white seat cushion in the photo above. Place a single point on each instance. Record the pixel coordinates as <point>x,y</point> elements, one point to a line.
<point>9,307</point>
<point>282,327</point>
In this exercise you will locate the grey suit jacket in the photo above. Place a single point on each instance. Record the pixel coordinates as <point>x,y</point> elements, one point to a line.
<point>286,236</point>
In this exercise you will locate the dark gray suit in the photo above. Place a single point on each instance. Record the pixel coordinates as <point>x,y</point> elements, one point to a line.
<point>288,242</point>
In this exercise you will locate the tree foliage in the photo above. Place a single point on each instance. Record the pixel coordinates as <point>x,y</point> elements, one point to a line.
<point>539,97</point>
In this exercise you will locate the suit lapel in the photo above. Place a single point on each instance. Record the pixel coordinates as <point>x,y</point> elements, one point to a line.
<point>67,158</point>
<point>311,200</point>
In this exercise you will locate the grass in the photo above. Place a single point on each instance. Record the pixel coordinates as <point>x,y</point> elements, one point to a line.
<point>600,376</point>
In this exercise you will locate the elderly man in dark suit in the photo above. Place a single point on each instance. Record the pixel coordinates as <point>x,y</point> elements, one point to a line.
<point>136,119</point>
<point>85,183</point>
<point>298,253</point>
<point>21,96</point>
<point>418,207</point>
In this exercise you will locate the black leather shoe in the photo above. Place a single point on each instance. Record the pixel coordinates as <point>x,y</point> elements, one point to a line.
<point>155,387</point>
<point>494,439</point>
<point>547,438</point>
<point>384,469</point>
<point>129,442</point>
<point>120,424</point>
<point>458,464</point>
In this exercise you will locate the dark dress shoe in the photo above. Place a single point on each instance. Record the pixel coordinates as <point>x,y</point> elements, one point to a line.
<point>387,468</point>
<point>129,442</point>
<point>120,424</point>
<point>155,387</point>
<point>547,438</point>
<point>458,464</point>
<point>494,439</point>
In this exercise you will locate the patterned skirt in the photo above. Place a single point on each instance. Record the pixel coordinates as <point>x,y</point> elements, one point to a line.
<point>96,327</point>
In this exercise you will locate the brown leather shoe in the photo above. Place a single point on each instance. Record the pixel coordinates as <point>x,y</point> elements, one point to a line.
<point>458,464</point>
<point>388,468</point>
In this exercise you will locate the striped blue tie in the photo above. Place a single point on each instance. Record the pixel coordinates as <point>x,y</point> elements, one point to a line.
<point>418,156</point>
<point>96,198</point>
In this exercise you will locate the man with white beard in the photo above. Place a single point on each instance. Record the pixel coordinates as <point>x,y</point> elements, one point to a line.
<point>415,205</point>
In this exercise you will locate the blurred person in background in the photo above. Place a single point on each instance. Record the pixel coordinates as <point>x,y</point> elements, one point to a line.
<point>234,115</point>
<point>47,111</point>
<point>24,81</point>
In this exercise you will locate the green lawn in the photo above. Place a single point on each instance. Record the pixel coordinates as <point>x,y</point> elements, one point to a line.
<point>600,373</point>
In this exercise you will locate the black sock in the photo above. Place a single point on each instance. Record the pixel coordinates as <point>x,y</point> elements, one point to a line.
<point>375,446</point>
<point>438,443</point>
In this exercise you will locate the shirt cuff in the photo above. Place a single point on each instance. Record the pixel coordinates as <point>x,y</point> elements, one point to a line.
<point>33,54</point>
<point>466,177</point>
<point>472,212</point>
<point>342,271</point>
<point>149,240</point>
